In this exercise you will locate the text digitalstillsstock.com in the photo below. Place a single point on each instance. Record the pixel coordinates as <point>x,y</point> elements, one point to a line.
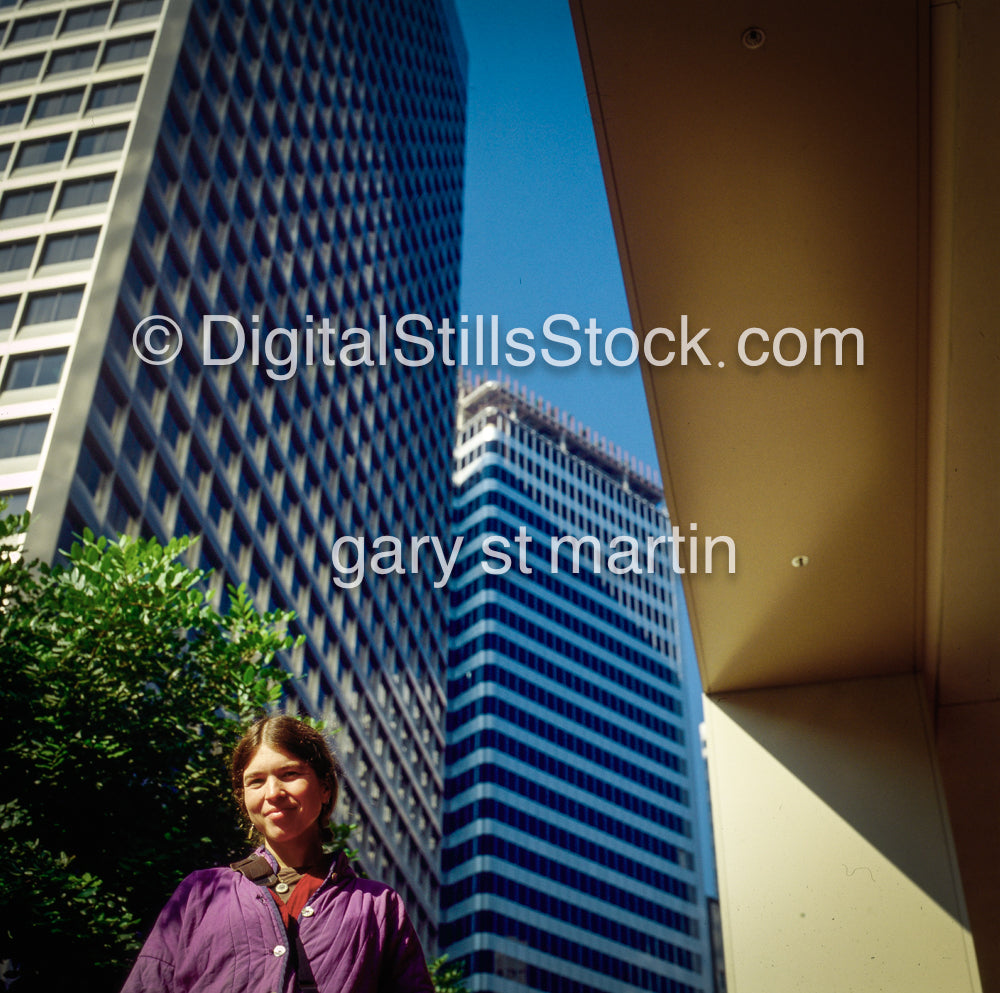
<point>415,340</point>
<point>623,554</point>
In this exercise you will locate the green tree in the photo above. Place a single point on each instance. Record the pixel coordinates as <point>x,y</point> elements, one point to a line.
<point>446,978</point>
<point>122,692</point>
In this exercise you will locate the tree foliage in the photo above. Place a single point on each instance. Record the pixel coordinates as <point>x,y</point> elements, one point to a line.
<point>447,977</point>
<point>122,692</point>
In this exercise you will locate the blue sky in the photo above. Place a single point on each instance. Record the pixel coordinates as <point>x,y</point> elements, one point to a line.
<point>537,233</point>
<point>538,238</point>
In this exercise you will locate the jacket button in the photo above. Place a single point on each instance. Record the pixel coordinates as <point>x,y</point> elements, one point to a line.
<point>280,950</point>
<point>308,911</point>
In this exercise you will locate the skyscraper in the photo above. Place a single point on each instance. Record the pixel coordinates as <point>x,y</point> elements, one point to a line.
<point>274,164</point>
<point>572,858</point>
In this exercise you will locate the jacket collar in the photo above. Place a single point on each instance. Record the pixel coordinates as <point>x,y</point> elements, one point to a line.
<point>340,867</point>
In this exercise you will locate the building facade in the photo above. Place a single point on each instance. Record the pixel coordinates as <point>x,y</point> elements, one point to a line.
<point>277,164</point>
<point>572,861</point>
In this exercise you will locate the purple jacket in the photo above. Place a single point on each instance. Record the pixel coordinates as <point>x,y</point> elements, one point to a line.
<point>222,933</point>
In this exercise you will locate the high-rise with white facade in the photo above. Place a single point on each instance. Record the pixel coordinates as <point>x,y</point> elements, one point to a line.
<point>278,163</point>
<point>573,860</point>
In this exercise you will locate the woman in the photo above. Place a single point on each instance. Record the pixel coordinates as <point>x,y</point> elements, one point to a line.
<point>288,918</point>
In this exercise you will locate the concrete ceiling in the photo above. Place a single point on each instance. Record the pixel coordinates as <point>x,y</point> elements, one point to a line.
<point>796,184</point>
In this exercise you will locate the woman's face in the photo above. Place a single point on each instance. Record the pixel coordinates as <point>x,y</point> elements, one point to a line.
<point>283,796</point>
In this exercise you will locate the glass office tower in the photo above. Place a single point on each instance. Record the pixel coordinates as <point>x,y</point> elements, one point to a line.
<point>572,861</point>
<point>278,163</point>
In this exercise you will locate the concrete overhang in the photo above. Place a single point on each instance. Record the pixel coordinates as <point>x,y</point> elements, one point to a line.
<point>812,182</point>
<point>840,174</point>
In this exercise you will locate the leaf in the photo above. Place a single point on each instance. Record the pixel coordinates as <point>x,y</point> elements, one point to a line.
<point>121,691</point>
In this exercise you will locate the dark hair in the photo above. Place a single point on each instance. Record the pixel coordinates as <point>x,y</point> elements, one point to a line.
<point>288,734</point>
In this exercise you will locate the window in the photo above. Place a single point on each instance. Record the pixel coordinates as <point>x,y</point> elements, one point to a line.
<point>25,203</point>
<point>12,112</point>
<point>121,510</point>
<point>107,402</point>
<point>72,59</point>
<point>15,502</point>
<point>135,445</point>
<point>22,437</point>
<point>4,156</point>
<point>45,151</point>
<point>90,467</point>
<point>86,17</point>
<point>100,141</point>
<point>53,305</point>
<point>16,255</point>
<point>31,28</point>
<point>8,308</point>
<point>70,247</point>
<point>113,94</point>
<point>55,104</point>
<point>39,369</point>
<point>124,49</point>
<point>130,10</point>
<point>84,192</point>
<point>20,70</point>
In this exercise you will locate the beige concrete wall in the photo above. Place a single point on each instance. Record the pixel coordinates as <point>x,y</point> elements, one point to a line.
<point>837,869</point>
<point>87,352</point>
<point>967,737</point>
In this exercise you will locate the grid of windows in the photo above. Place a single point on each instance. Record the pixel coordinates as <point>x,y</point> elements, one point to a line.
<point>510,966</point>
<point>601,525</point>
<point>611,859</point>
<point>48,154</point>
<point>565,720</point>
<point>492,771</point>
<point>618,903</point>
<point>634,773</point>
<point>286,180</point>
<point>582,954</point>
<point>545,635</point>
<point>543,829</point>
<point>541,662</point>
<point>559,703</point>
<point>73,58</point>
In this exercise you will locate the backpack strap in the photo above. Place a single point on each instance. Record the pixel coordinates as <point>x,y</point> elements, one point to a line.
<point>256,868</point>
